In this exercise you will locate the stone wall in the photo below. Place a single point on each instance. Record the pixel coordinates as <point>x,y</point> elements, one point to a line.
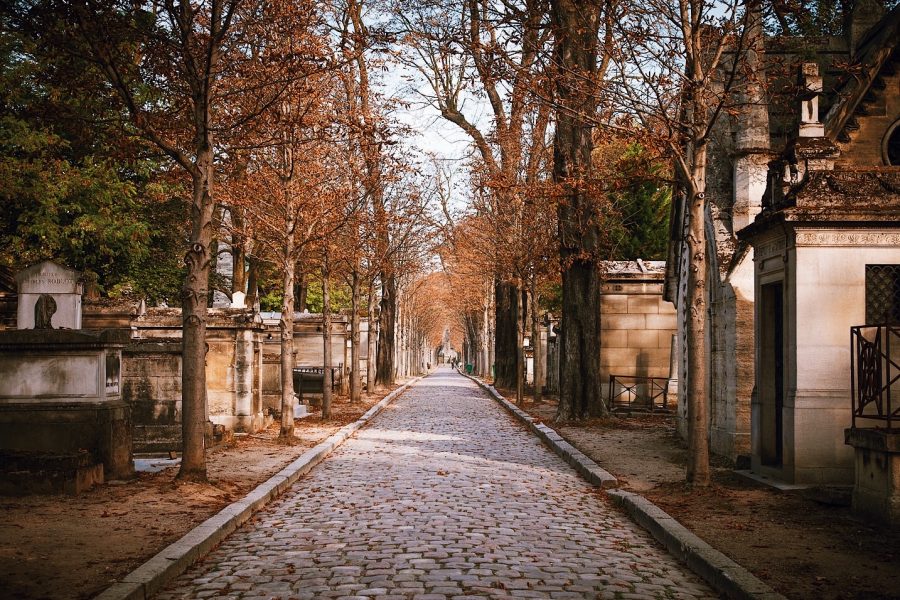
<point>637,325</point>
<point>151,384</point>
<point>233,366</point>
<point>308,350</point>
<point>731,372</point>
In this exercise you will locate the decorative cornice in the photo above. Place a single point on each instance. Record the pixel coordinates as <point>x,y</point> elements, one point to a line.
<point>769,249</point>
<point>848,238</point>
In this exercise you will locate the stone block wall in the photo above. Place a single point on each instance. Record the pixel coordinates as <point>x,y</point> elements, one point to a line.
<point>308,350</point>
<point>637,325</point>
<point>731,372</point>
<point>151,384</point>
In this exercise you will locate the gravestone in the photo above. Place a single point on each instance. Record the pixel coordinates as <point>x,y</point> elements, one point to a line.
<point>63,423</point>
<point>49,297</point>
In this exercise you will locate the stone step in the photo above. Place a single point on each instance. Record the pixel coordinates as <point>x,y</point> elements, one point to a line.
<point>23,473</point>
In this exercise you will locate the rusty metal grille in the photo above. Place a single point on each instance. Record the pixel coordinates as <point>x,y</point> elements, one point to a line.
<point>875,368</point>
<point>882,294</point>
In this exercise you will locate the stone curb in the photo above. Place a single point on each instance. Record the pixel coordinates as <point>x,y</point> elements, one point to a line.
<point>723,574</point>
<point>586,467</point>
<point>150,577</point>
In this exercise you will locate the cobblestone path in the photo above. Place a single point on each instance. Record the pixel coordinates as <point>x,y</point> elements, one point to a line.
<point>443,496</point>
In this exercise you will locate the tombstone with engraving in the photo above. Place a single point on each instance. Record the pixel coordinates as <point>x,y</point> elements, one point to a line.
<point>49,297</point>
<point>63,423</point>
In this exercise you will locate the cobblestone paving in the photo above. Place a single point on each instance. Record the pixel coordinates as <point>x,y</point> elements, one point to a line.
<point>443,496</point>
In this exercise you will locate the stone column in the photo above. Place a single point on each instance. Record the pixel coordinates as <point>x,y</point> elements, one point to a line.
<point>751,153</point>
<point>243,379</point>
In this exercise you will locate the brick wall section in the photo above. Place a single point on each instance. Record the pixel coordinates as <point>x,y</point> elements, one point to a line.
<point>637,327</point>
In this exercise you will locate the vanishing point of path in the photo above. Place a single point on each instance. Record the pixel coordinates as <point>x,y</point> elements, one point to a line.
<point>442,496</point>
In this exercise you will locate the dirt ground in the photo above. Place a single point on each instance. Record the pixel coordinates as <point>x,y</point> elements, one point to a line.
<point>69,547</point>
<point>799,542</point>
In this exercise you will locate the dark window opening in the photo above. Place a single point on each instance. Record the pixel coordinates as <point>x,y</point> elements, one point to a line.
<point>882,294</point>
<point>892,146</point>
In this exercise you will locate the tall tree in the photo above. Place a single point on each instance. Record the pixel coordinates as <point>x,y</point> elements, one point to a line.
<point>135,49</point>
<point>71,188</point>
<point>685,65</point>
<point>492,51</point>
<point>177,69</point>
<point>581,61</point>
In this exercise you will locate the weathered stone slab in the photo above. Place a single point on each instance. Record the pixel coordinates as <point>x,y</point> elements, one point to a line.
<point>61,285</point>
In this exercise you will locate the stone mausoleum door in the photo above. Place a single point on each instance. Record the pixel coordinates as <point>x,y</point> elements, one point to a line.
<point>771,394</point>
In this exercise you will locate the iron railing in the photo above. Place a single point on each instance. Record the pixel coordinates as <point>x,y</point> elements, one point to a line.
<point>634,393</point>
<point>311,379</point>
<point>875,374</point>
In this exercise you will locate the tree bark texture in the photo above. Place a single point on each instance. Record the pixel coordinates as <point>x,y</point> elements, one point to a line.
<point>576,24</point>
<point>238,254</point>
<point>252,281</point>
<point>384,375</point>
<point>506,307</point>
<point>471,343</point>
<point>520,348</point>
<point>326,339</point>
<point>300,291</point>
<point>372,340</point>
<point>485,366</point>
<point>286,431</point>
<point>194,312</point>
<point>698,426</point>
<point>355,379</point>
<point>537,352</point>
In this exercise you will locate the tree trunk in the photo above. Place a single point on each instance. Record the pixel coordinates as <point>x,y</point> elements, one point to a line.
<point>538,353</point>
<point>485,363</point>
<point>216,229</point>
<point>300,290</point>
<point>252,281</point>
<point>194,312</point>
<point>326,338</point>
<point>286,432</point>
<point>372,341</point>
<point>384,375</point>
<point>520,347</point>
<point>576,25</point>
<point>698,431</point>
<point>506,309</point>
<point>491,315</point>
<point>471,347</point>
<point>355,380</point>
<point>238,253</point>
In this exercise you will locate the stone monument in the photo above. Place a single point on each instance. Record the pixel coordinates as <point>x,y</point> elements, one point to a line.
<point>64,425</point>
<point>49,297</point>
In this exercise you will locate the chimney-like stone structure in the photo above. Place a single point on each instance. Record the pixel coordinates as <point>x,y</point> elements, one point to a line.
<point>810,126</point>
<point>751,152</point>
<point>812,151</point>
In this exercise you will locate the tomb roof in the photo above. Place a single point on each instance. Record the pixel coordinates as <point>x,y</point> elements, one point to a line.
<point>866,196</point>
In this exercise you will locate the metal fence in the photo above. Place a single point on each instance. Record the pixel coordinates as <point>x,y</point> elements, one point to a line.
<point>633,393</point>
<point>875,381</point>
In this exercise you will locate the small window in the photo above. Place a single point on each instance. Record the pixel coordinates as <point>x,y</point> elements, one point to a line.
<point>891,147</point>
<point>882,294</point>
